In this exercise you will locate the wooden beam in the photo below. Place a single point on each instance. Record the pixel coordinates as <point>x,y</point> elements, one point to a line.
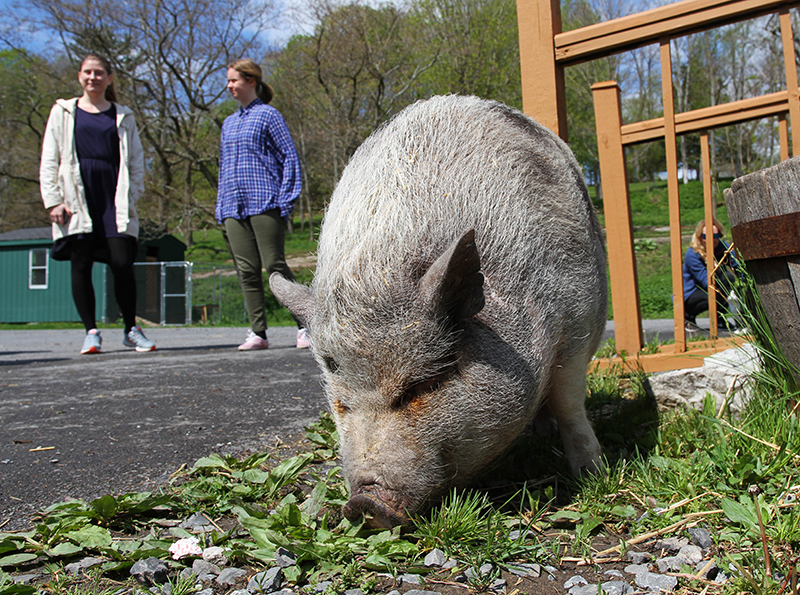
<point>783,133</point>
<point>619,228</point>
<point>790,64</point>
<point>708,216</point>
<point>773,104</point>
<point>669,358</point>
<point>644,28</point>
<point>673,194</point>
<point>543,95</point>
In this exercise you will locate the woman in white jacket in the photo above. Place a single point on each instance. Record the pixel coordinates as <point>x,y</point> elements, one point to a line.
<point>91,175</point>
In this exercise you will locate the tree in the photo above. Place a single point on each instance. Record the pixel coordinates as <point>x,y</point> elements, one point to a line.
<point>338,84</point>
<point>169,58</point>
<point>28,87</point>
<point>475,44</point>
<point>578,81</point>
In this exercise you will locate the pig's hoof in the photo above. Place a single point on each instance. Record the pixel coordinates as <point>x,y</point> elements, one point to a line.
<point>377,515</point>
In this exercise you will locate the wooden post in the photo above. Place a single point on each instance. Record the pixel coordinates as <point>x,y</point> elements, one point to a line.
<point>787,39</point>
<point>543,95</point>
<point>617,209</point>
<point>764,209</point>
<point>783,133</point>
<point>670,141</point>
<point>708,215</point>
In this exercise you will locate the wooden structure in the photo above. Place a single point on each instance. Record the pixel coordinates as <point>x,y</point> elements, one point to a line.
<point>764,208</point>
<point>544,54</point>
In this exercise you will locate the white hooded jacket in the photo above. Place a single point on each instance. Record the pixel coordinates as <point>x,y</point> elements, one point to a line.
<point>60,175</point>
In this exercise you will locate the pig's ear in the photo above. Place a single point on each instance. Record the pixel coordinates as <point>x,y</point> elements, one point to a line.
<point>296,297</point>
<point>453,286</point>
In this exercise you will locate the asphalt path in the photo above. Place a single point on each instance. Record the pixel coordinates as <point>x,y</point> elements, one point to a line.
<point>74,426</point>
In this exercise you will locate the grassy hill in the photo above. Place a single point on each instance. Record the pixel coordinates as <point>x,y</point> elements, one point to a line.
<point>650,212</point>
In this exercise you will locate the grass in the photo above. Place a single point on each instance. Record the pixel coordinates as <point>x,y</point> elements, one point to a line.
<point>665,472</point>
<point>650,213</point>
<point>650,206</point>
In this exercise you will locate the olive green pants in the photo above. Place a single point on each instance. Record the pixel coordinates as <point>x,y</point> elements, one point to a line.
<point>257,243</point>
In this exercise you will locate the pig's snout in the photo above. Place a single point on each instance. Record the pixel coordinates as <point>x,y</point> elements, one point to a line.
<point>377,513</point>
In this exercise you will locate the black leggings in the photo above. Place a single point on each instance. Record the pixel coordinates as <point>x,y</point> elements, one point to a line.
<point>122,253</point>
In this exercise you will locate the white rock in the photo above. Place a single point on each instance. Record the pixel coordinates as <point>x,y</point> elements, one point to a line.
<point>688,388</point>
<point>435,557</point>
<point>691,553</point>
<point>215,555</point>
<point>576,580</point>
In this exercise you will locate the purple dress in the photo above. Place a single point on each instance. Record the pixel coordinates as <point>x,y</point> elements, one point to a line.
<point>97,144</point>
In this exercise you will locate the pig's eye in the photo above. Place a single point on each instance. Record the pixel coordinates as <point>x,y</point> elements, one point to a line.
<point>330,363</point>
<point>417,390</point>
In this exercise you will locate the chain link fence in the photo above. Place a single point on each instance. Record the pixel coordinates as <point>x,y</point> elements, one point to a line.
<point>217,296</point>
<point>179,293</point>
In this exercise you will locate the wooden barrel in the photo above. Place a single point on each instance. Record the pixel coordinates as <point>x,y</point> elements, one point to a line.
<point>764,210</point>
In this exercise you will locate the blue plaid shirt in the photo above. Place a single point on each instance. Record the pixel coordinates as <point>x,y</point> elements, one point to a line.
<point>259,169</point>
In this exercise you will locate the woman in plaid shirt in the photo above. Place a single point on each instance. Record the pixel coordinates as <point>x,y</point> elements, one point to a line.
<point>259,181</point>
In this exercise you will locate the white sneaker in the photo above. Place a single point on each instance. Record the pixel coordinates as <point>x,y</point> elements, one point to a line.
<point>92,342</point>
<point>253,342</point>
<point>135,338</point>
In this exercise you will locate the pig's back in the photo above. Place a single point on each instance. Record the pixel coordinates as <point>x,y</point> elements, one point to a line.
<point>450,164</point>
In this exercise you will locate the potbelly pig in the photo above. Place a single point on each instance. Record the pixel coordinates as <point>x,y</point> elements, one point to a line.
<point>460,286</point>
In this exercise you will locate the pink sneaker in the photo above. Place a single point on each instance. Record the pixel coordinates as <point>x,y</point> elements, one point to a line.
<point>303,339</point>
<point>253,342</point>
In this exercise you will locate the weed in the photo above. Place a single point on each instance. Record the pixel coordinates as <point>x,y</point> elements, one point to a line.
<point>607,350</point>
<point>737,475</point>
<point>183,585</point>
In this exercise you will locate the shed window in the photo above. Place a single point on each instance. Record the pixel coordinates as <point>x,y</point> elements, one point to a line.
<point>38,261</point>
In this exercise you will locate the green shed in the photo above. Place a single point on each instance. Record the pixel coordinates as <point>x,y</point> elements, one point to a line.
<point>38,288</point>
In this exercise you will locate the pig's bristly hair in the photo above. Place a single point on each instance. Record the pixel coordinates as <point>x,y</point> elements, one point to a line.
<point>451,164</point>
<point>442,167</point>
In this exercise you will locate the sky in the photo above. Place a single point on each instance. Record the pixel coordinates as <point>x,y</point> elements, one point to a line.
<point>274,37</point>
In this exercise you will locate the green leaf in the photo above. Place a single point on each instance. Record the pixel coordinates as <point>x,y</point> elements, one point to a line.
<point>255,476</point>
<point>660,462</point>
<point>564,516</point>
<point>181,533</point>
<point>90,537</point>
<point>63,549</point>
<point>289,469</point>
<point>293,574</point>
<point>142,502</point>
<point>626,512</point>
<point>118,566</point>
<point>591,523</point>
<point>739,513</point>
<point>18,590</point>
<point>213,461</point>
<point>254,460</point>
<point>11,545</point>
<point>106,507</point>
<point>262,539</point>
<point>377,562</point>
<point>265,556</point>
<point>291,515</point>
<point>17,559</point>
<point>316,500</point>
